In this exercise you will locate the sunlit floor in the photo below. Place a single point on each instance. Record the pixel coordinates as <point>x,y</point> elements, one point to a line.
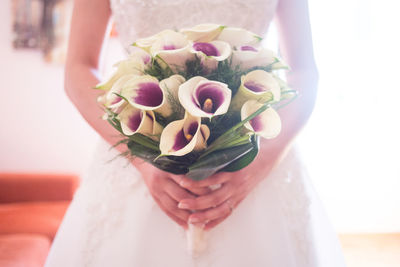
<point>371,250</point>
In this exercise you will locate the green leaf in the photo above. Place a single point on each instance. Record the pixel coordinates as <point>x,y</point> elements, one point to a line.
<point>115,123</point>
<point>146,142</point>
<point>172,164</point>
<point>246,159</point>
<point>233,132</point>
<point>156,70</point>
<point>216,161</point>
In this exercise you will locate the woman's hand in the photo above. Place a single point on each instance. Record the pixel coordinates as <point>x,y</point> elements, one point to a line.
<point>166,191</point>
<point>214,207</point>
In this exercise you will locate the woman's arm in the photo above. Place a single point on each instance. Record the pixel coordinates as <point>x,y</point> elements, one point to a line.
<point>292,19</point>
<point>88,27</point>
<point>296,46</point>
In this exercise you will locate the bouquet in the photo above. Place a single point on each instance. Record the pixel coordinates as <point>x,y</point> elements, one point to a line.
<point>196,101</point>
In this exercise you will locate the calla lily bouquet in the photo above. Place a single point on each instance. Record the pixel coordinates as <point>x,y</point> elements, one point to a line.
<point>196,101</point>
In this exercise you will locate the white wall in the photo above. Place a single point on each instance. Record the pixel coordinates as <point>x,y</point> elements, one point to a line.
<point>40,130</point>
<point>352,142</point>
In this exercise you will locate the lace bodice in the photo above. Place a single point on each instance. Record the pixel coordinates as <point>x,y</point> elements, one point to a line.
<point>142,18</point>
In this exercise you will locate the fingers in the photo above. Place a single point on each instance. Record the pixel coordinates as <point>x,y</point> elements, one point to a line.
<point>175,191</point>
<point>185,182</point>
<point>199,191</point>
<point>213,214</point>
<point>169,206</point>
<point>216,179</point>
<point>173,217</point>
<point>214,223</point>
<point>211,200</point>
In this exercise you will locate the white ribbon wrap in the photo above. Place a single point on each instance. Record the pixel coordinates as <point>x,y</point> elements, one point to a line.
<point>196,240</point>
<point>196,236</point>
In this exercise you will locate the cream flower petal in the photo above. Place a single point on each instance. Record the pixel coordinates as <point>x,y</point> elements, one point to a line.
<point>181,137</point>
<point>134,120</point>
<point>258,85</point>
<point>171,49</point>
<point>143,92</point>
<point>203,32</point>
<point>248,57</point>
<point>238,37</point>
<point>146,43</point>
<point>168,40</point>
<point>170,86</point>
<point>131,65</point>
<point>202,138</point>
<point>112,100</point>
<point>139,54</point>
<point>203,98</point>
<point>212,52</point>
<point>176,58</point>
<point>267,124</point>
<point>259,81</point>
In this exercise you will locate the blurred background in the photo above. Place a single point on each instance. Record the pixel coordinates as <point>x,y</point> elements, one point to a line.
<point>351,144</point>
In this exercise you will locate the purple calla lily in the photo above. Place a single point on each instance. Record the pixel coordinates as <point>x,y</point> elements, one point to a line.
<point>257,85</point>
<point>204,98</point>
<point>143,92</point>
<point>239,37</point>
<point>267,124</point>
<point>134,120</point>
<point>183,136</point>
<point>207,48</point>
<point>171,49</point>
<point>211,53</point>
<point>248,56</point>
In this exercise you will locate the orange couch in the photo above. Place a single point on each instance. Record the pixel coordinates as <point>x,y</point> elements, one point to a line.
<point>31,209</point>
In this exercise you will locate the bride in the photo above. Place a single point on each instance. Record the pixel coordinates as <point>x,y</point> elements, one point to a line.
<point>128,213</point>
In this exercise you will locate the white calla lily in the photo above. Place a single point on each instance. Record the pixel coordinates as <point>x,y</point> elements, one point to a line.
<point>143,92</point>
<point>140,54</point>
<point>133,65</point>
<point>211,53</point>
<point>267,124</point>
<point>112,100</point>
<point>183,136</point>
<point>248,57</point>
<point>173,49</point>
<point>258,85</point>
<point>146,43</point>
<point>168,40</point>
<point>204,98</point>
<point>203,32</point>
<point>175,59</point>
<point>239,37</point>
<point>170,87</point>
<point>134,120</point>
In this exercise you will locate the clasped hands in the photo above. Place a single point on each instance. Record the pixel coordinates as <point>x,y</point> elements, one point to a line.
<point>203,203</point>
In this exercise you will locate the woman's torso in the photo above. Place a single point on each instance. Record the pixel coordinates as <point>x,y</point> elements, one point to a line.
<point>142,18</point>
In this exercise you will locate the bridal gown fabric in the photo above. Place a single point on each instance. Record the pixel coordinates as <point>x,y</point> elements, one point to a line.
<point>113,220</point>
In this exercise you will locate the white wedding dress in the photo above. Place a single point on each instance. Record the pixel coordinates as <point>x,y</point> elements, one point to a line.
<point>113,220</point>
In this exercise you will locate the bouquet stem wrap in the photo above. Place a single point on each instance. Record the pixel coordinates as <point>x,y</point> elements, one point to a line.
<point>196,235</point>
<point>196,240</point>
